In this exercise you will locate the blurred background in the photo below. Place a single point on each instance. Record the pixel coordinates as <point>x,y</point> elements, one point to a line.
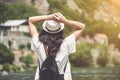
<point>98,50</point>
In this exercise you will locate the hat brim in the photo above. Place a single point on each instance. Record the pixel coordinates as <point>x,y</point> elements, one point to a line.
<point>44,28</point>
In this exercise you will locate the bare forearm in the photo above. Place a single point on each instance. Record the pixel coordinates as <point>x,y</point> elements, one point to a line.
<point>36,19</point>
<point>74,24</point>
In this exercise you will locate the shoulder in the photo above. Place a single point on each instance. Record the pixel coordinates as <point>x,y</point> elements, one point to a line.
<point>35,43</point>
<point>70,37</point>
<point>70,43</point>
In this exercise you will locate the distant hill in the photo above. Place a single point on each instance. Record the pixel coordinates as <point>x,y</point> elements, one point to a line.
<point>107,10</point>
<point>41,5</point>
<point>12,1</point>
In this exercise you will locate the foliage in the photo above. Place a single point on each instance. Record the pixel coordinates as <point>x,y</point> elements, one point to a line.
<point>26,34</point>
<point>29,45</point>
<point>16,11</point>
<point>103,55</point>
<point>27,60</point>
<point>56,5</point>
<point>6,56</point>
<point>116,62</point>
<point>21,46</point>
<point>6,67</point>
<point>82,58</point>
<point>14,68</point>
<point>88,6</point>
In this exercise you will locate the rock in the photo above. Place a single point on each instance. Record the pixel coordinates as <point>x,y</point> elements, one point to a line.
<point>4,73</point>
<point>42,6</point>
<point>107,12</point>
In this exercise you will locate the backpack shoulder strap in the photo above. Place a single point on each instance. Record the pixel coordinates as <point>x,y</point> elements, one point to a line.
<point>45,48</point>
<point>65,65</point>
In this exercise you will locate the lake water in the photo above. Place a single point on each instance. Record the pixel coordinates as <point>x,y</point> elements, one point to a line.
<point>17,76</point>
<point>79,74</point>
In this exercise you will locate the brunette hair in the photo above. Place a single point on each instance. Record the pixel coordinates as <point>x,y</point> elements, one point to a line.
<point>53,41</point>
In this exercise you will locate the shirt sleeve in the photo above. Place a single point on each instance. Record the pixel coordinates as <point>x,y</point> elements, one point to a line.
<point>37,74</point>
<point>34,42</point>
<point>71,43</point>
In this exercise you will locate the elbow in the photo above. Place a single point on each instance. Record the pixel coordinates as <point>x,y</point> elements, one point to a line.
<point>82,26</point>
<point>29,19</point>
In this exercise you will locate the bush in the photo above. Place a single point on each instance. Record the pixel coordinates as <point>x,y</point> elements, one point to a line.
<point>6,67</point>
<point>27,60</point>
<point>16,11</point>
<point>103,57</point>
<point>29,45</point>
<point>56,4</point>
<point>6,56</point>
<point>116,62</point>
<point>82,58</point>
<point>21,46</point>
<point>14,68</point>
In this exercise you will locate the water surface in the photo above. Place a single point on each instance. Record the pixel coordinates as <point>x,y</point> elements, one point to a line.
<point>77,74</point>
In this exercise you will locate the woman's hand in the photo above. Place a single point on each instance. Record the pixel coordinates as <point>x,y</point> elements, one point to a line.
<point>58,17</point>
<point>49,17</point>
<point>74,24</point>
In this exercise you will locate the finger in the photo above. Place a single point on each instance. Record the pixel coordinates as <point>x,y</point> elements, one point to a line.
<point>51,16</point>
<point>56,20</point>
<point>59,14</point>
<point>56,16</point>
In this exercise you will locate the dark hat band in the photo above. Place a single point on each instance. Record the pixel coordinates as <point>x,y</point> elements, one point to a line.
<point>54,30</point>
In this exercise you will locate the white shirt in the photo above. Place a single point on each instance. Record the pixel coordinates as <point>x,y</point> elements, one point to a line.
<point>67,47</point>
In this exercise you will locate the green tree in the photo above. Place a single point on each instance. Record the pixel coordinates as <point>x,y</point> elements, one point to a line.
<point>21,46</point>
<point>103,57</point>
<point>88,6</point>
<point>82,58</point>
<point>6,67</point>
<point>16,11</point>
<point>15,68</point>
<point>6,56</point>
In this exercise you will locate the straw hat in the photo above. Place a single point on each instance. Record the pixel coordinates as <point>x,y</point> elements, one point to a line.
<point>52,26</point>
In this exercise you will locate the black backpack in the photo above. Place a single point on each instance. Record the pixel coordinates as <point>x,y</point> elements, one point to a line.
<point>49,69</point>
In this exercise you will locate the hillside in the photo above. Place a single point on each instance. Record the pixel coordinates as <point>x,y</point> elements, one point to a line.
<point>102,17</point>
<point>102,10</point>
<point>41,5</point>
<point>106,10</point>
<point>109,12</point>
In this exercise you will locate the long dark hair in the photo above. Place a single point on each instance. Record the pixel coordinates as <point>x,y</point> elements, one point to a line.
<point>53,41</point>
